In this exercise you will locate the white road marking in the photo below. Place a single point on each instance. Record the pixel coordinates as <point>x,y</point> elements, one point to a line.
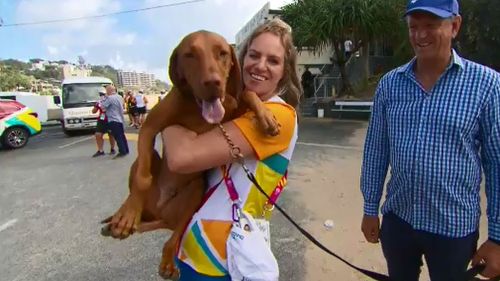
<point>75,142</point>
<point>7,224</point>
<point>330,146</point>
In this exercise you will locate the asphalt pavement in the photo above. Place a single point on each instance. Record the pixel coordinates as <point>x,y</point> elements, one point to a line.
<point>53,195</point>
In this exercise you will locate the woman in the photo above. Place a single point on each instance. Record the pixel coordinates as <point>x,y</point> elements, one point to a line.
<point>140,108</point>
<point>131,108</point>
<point>269,69</point>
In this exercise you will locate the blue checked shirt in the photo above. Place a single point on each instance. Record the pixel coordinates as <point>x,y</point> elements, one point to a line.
<point>435,144</point>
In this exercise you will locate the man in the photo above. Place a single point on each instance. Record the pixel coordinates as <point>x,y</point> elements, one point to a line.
<point>113,105</point>
<point>435,121</point>
<point>307,83</point>
<point>348,46</point>
<point>102,127</point>
<point>141,103</point>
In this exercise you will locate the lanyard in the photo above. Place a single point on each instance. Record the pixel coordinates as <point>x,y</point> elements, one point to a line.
<point>235,198</point>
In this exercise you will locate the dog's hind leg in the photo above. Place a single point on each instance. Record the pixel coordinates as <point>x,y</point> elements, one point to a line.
<point>187,201</point>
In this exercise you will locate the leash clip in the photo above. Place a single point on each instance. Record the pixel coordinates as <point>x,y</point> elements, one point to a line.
<point>236,212</point>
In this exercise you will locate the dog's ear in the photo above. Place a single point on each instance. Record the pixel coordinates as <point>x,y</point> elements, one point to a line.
<point>234,85</point>
<point>173,69</point>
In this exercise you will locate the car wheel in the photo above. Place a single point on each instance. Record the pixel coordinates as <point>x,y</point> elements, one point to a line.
<point>15,137</point>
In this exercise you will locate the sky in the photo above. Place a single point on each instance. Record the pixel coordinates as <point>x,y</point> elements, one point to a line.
<point>136,41</point>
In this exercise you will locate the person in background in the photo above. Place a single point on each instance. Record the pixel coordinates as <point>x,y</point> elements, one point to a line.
<point>436,124</point>
<point>113,105</point>
<point>102,128</point>
<point>348,48</point>
<point>131,108</point>
<point>307,81</point>
<point>141,103</point>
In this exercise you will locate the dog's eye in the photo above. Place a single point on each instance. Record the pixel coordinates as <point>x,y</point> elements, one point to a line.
<point>223,54</point>
<point>189,55</point>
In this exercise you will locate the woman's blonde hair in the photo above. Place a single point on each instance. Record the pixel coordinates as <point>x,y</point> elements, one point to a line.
<point>289,86</point>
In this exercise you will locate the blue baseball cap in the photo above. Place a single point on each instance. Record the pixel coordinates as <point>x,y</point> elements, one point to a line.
<point>440,8</point>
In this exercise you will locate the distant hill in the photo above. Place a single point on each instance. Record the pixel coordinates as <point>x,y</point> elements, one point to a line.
<point>14,73</point>
<point>105,71</point>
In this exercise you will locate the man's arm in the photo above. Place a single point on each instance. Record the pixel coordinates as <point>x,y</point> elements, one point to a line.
<point>490,156</point>
<point>376,155</point>
<point>105,103</point>
<point>489,252</point>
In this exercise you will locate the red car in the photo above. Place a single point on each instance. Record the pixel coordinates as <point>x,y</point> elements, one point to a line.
<point>17,124</point>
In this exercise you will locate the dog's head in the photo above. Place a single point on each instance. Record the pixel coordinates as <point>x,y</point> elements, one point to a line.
<point>205,66</point>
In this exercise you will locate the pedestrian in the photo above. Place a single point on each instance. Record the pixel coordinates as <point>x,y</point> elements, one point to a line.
<point>307,82</point>
<point>113,104</point>
<point>435,123</point>
<point>141,102</point>
<point>348,48</point>
<point>131,108</point>
<point>269,69</point>
<point>102,127</point>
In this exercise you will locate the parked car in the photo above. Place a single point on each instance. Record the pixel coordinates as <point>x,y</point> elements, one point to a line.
<point>17,124</point>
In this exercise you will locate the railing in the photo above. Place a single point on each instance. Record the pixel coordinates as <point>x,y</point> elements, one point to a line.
<point>323,86</point>
<point>352,106</point>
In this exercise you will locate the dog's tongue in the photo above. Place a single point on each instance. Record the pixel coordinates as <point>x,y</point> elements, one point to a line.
<point>213,112</point>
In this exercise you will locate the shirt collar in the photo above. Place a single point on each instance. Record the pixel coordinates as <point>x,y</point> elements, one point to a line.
<point>455,60</point>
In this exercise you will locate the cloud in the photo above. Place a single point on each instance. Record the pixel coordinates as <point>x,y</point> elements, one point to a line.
<point>136,41</point>
<point>52,50</point>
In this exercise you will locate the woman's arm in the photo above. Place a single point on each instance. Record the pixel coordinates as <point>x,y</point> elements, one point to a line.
<point>188,152</point>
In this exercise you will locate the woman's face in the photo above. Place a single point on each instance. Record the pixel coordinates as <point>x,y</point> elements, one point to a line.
<point>263,65</point>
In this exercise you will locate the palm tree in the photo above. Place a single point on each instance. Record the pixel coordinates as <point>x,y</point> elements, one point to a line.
<point>325,24</point>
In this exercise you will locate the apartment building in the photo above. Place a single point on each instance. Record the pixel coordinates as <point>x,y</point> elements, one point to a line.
<point>136,79</point>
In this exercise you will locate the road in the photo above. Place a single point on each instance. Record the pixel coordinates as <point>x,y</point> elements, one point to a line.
<point>53,194</point>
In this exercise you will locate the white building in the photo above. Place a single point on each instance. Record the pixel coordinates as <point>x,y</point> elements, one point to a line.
<point>71,70</point>
<point>136,79</point>
<point>304,58</point>
<point>39,65</point>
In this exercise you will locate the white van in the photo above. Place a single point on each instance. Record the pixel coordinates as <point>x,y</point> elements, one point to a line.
<point>79,95</point>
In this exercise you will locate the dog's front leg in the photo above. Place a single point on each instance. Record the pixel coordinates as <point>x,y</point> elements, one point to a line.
<point>127,219</point>
<point>265,117</point>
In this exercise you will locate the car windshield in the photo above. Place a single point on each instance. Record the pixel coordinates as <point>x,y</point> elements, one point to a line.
<point>81,94</point>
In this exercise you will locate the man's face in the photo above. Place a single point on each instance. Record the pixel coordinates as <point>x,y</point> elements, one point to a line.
<point>431,36</point>
<point>110,89</point>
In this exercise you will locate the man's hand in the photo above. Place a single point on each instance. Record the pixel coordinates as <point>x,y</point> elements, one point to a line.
<point>370,226</point>
<point>489,254</point>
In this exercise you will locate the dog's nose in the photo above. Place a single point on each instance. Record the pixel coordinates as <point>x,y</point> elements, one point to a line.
<point>213,81</point>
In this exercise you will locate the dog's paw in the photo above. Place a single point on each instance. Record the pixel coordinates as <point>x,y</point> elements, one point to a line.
<point>125,221</point>
<point>168,270</point>
<point>268,123</point>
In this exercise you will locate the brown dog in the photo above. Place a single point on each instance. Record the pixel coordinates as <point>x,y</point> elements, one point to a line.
<point>207,90</point>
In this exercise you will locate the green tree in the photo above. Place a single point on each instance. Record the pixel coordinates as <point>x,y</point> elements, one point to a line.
<point>105,71</point>
<point>50,71</point>
<point>35,60</point>
<point>479,39</point>
<point>15,65</point>
<point>13,80</point>
<point>325,24</point>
